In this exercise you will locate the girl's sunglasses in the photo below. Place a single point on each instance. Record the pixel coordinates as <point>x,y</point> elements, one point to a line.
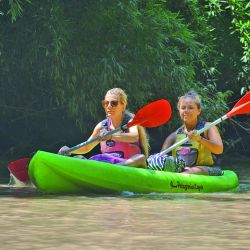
<point>112,103</point>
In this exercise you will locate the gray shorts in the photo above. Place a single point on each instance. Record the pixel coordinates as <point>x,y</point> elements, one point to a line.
<point>213,171</point>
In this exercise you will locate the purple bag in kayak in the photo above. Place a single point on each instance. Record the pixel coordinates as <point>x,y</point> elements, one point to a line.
<point>107,158</point>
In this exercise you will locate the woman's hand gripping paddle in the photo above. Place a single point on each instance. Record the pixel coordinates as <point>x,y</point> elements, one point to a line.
<point>149,116</point>
<point>240,108</point>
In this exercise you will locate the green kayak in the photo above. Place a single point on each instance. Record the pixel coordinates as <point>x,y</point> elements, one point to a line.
<point>53,173</point>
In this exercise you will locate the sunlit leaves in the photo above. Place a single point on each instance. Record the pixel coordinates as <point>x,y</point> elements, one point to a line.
<point>16,8</point>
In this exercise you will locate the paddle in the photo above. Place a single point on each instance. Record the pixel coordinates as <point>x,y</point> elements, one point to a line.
<point>241,107</point>
<point>149,116</point>
<point>19,169</point>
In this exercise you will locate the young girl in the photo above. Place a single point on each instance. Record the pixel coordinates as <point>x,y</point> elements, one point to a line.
<point>201,150</point>
<point>198,156</point>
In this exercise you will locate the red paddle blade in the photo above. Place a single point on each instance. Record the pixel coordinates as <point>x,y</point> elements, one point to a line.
<point>243,99</point>
<point>240,110</point>
<point>241,107</point>
<point>19,169</point>
<point>152,115</point>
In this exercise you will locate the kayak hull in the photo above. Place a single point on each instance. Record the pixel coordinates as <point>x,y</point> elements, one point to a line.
<point>53,173</point>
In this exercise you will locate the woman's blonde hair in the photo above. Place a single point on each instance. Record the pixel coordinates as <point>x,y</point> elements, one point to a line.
<point>143,137</point>
<point>120,93</point>
<point>144,140</point>
<point>191,94</point>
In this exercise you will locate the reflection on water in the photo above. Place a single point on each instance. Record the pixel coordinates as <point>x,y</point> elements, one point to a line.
<point>31,220</point>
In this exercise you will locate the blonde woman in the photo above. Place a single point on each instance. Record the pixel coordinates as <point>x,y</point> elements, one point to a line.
<point>118,147</point>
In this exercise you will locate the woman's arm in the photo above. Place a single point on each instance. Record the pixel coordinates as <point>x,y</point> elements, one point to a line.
<point>132,136</point>
<point>89,147</point>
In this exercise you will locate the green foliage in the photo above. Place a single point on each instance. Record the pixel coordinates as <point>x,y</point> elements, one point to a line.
<point>141,48</point>
<point>241,21</point>
<point>215,102</point>
<point>16,8</point>
<point>58,59</point>
<point>244,89</point>
<point>195,16</point>
<point>238,12</point>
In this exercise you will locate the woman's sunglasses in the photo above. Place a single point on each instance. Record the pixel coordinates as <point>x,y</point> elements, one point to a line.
<point>112,103</point>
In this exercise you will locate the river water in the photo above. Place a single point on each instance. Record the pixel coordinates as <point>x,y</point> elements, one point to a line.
<point>30,220</point>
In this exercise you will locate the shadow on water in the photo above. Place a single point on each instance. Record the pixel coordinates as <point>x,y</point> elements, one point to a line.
<point>19,192</point>
<point>240,194</point>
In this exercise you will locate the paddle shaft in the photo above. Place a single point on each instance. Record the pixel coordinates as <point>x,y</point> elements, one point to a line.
<point>124,127</point>
<point>198,132</point>
<point>151,115</point>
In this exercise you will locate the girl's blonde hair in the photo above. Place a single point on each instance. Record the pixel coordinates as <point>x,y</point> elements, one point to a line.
<point>191,94</point>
